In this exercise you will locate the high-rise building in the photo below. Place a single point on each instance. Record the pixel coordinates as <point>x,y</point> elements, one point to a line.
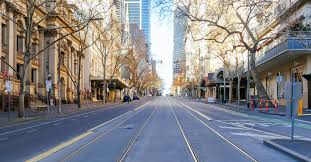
<point>179,55</point>
<point>135,12</point>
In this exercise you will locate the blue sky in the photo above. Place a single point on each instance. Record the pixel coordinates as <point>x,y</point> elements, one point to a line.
<point>162,47</point>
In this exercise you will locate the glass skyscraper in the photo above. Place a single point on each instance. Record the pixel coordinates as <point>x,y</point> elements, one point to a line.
<point>179,54</point>
<point>138,12</point>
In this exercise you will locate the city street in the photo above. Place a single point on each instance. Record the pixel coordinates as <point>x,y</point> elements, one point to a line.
<point>157,129</point>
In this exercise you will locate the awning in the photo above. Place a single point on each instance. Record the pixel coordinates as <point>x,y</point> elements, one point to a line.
<point>117,83</point>
<point>98,82</point>
<point>307,76</point>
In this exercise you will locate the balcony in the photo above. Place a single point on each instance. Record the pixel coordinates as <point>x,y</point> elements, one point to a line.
<point>296,43</point>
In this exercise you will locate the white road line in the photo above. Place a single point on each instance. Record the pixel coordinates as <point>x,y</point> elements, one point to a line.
<point>92,129</point>
<point>194,157</point>
<point>203,115</point>
<point>54,121</point>
<point>142,106</point>
<point>224,138</point>
<point>57,124</point>
<point>233,128</point>
<point>85,116</point>
<point>2,139</point>
<point>134,139</point>
<point>303,121</point>
<point>34,130</point>
<point>102,134</point>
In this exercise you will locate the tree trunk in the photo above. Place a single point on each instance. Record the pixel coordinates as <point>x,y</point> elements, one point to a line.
<point>78,84</point>
<point>230,91</point>
<point>262,93</point>
<point>21,97</point>
<point>105,83</point>
<point>104,91</point>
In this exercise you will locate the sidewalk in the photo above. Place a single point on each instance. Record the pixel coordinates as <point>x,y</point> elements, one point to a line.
<point>32,114</point>
<point>298,149</point>
<point>281,111</point>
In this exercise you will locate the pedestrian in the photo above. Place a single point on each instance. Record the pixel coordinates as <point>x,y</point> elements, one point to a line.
<point>128,98</point>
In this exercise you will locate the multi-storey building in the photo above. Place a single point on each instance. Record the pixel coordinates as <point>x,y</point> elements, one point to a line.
<point>136,12</point>
<point>179,55</point>
<point>285,58</point>
<point>59,61</point>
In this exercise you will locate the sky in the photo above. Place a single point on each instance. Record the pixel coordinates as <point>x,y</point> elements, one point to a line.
<point>162,47</point>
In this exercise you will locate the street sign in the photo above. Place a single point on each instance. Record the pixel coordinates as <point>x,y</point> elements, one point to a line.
<point>48,84</point>
<point>8,86</point>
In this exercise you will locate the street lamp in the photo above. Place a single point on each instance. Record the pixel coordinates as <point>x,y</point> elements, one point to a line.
<point>114,86</point>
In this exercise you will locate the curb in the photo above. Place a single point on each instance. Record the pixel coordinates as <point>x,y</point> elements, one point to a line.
<point>287,151</point>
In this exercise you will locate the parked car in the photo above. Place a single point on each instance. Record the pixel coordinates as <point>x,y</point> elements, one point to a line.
<point>135,97</point>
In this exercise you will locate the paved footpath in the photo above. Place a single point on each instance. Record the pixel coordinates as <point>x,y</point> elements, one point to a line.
<point>167,129</point>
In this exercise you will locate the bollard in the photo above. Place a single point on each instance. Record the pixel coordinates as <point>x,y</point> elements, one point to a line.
<point>252,104</point>
<point>267,105</point>
<point>260,106</point>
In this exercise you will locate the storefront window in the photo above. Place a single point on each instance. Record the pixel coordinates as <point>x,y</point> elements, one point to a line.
<point>296,75</point>
<point>280,85</point>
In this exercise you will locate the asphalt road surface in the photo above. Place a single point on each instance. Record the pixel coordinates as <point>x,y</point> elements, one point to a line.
<point>159,129</point>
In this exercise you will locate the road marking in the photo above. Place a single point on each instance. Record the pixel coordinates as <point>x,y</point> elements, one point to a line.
<point>54,121</point>
<point>2,139</point>
<point>190,148</point>
<point>57,124</point>
<point>224,138</point>
<point>130,145</point>
<point>203,115</point>
<point>256,136</point>
<point>92,129</point>
<point>100,135</point>
<point>34,130</point>
<point>59,147</point>
<point>234,128</point>
<point>142,106</point>
<point>304,121</point>
<point>85,116</point>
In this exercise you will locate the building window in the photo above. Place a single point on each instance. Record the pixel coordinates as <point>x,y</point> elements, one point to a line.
<point>75,68</point>
<point>34,48</point>
<point>19,42</point>
<point>62,59</point>
<point>3,34</point>
<point>296,75</point>
<point>33,75</point>
<point>2,64</point>
<point>280,85</point>
<point>19,68</point>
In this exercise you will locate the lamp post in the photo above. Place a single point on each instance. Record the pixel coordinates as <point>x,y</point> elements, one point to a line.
<point>114,87</point>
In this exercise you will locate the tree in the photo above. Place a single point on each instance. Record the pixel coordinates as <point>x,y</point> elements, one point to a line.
<point>32,11</point>
<point>239,19</point>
